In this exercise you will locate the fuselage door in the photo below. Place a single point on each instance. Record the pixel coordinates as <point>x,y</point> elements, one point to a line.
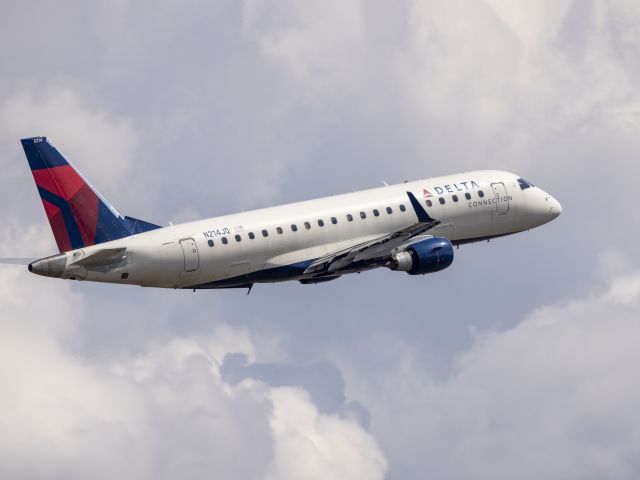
<point>190,252</point>
<point>502,198</point>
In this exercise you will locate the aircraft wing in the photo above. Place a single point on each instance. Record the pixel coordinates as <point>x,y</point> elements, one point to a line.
<point>378,249</point>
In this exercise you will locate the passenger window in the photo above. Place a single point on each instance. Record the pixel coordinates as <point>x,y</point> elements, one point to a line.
<point>441,200</point>
<point>265,233</point>
<point>238,238</point>
<point>455,198</point>
<point>349,217</point>
<point>224,240</point>
<point>321,222</point>
<point>307,225</point>
<point>251,235</point>
<point>389,210</point>
<point>480,193</point>
<point>294,227</point>
<point>467,196</point>
<point>334,220</point>
<point>279,230</point>
<point>376,213</point>
<point>210,242</point>
<point>429,203</point>
<point>402,209</point>
<point>363,215</point>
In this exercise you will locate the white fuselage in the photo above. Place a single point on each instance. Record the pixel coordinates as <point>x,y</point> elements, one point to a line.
<point>275,244</point>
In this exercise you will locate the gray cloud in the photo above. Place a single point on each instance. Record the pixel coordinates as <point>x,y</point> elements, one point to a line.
<point>553,397</point>
<point>321,379</point>
<point>161,413</point>
<point>180,110</point>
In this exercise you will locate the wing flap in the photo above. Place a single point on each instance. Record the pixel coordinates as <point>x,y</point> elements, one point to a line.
<point>377,249</point>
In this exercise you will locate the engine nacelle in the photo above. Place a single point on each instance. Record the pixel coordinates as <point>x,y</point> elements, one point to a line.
<point>426,256</point>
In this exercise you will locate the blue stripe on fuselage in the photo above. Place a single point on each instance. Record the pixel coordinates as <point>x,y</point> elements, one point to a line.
<point>275,274</point>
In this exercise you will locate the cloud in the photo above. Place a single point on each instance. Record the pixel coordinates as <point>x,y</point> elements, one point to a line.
<point>552,397</point>
<point>532,22</point>
<point>520,83</point>
<point>206,109</point>
<point>317,42</point>
<point>311,445</point>
<point>475,70</point>
<point>102,143</point>
<point>321,379</point>
<point>162,412</point>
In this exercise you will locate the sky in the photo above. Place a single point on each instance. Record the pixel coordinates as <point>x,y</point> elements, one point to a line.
<point>519,361</point>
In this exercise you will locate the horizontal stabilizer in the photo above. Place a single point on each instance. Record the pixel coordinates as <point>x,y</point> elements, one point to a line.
<point>16,261</point>
<point>139,226</point>
<point>103,257</point>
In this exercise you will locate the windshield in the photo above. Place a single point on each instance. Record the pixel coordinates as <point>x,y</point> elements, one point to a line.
<point>524,184</point>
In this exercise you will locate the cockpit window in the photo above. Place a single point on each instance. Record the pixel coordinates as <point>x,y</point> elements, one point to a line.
<point>524,184</point>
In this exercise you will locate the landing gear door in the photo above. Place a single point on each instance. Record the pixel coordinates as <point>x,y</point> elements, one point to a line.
<point>502,199</point>
<point>190,252</point>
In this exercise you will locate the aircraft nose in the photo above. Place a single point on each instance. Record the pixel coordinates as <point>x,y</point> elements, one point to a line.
<point>556,208</point>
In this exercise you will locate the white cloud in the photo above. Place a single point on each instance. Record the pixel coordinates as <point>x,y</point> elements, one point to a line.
<point>510,78</point>
<point>100,144</point>
<point>513,78</point>
<point>260,102</point>
<point>554,397</point>
<point>532,22</point>
<point>310,445</point>
<point>164,412</point>
<point>317,41</point>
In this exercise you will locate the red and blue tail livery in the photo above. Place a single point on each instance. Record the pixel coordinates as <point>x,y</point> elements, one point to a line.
<point>79,216</point>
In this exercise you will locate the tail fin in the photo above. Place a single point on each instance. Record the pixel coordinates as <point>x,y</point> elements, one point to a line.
<point>78,214</point>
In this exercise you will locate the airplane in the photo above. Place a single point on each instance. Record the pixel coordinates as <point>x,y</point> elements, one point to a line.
<point>411,227</point>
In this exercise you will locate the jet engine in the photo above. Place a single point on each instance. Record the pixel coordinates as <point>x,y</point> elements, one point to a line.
<point>426,256</point>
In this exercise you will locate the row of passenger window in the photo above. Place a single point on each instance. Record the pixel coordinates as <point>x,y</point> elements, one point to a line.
<point>455,198</point>
<point>307,225</point>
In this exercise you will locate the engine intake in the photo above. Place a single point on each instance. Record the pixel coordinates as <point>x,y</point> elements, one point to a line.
<point>426,256</point>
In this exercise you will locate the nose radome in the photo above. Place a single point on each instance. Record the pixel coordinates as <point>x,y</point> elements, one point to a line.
<point>556,208</point>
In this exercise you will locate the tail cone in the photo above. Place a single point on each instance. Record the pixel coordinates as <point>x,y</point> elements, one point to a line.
<point>49,266</point>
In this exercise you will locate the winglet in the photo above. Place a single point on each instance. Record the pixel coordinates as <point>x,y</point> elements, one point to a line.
<point>422,214</point>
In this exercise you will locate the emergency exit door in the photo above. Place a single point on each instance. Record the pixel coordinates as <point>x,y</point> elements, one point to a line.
<point>501,197</point>
<point>190,252</point>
